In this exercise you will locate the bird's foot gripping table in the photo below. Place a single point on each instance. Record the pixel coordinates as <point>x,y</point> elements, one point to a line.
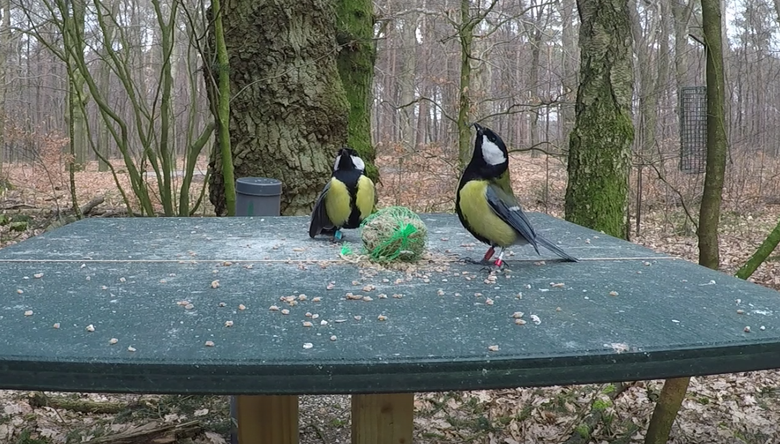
<point>253,307</point>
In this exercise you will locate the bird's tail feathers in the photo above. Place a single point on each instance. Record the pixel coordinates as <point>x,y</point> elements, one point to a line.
<point>555,249</point>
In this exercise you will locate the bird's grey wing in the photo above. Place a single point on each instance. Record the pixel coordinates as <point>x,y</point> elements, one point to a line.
<point>506,207</point>
<point>319,217</point>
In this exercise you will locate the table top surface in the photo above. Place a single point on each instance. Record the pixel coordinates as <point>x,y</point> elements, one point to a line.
<point>166,289</point>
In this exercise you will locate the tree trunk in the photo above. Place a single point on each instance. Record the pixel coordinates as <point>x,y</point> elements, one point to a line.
<point>288,113</point>
<point>5,56</point>
<point>79,124</point>
<point>355,21</point>
<point>600,144</point>
<point>709,216</point>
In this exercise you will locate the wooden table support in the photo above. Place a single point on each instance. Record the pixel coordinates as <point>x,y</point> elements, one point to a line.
<point>382,418</point>
<point>267,419</point>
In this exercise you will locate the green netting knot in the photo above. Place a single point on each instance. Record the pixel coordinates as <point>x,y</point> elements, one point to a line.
<point>394,233</point>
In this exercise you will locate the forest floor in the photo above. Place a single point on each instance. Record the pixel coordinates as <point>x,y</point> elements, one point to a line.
<point>732,408</point>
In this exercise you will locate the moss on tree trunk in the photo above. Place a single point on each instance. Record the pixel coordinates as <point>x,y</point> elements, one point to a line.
<point>288,114</point>
<point>600,143</point>
<point>355,36</point>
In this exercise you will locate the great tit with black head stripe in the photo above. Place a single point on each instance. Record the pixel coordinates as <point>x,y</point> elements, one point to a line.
<point>486,205</point>
<point>347,198</point>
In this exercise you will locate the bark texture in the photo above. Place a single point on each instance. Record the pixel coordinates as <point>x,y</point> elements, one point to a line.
<point>709,214</point>
<point>288,114</point>
<point>600,144</point>
<point>355,21</point>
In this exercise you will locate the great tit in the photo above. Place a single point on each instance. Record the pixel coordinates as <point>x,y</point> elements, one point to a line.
<point>347,198</point>
<point>486,205</point>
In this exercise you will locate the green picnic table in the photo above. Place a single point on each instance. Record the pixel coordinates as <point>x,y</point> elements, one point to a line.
<point>252,307</point>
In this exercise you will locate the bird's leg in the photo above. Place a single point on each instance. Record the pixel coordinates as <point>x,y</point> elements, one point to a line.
<point>485,260</point>
<point>500,261</point>
<point>338,235</point>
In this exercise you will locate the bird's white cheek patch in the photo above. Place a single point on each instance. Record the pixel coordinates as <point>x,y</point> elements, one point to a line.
<point>358,162</point>
<point>491,152</point>
<point>336,164</point>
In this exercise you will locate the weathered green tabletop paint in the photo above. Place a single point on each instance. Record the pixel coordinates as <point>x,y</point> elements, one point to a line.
<point>622,313</point>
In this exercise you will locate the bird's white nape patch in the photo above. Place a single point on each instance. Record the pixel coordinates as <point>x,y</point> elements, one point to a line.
<point>514,208</point>
<point>358,162</point>
<point>492,153</point>
<point>336,164</point>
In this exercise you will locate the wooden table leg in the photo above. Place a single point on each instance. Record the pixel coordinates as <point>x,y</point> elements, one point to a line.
<point>382,418</point>
<point>267,419</point>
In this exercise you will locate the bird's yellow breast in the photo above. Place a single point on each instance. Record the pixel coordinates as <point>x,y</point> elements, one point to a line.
<point>365,197</point>
<point>337,202</point>
<point>481,218</point>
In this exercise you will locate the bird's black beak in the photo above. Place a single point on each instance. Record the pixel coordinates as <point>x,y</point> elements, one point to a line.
<point>478,127</point>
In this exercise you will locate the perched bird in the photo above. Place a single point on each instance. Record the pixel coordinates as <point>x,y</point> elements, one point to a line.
<point>486,205</point>
<point>347,198</point>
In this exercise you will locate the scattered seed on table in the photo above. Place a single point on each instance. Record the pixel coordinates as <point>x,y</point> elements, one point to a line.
<point>762,328</point>
<point>489,301</point>
<point>215,283</point>
<point>315,316</point>
<point>367,298</point>
<point>440,292</point>
<point>308,314</point>
<point>113,341</point>
<point>20,291</point>
<point>330,286</point>
<point>222,304</point>
<point>308,345</point>
<point>333,338</point>
<point>189,307</point>
<point>273,308</point>
<point>368,287</point>
<point>478,294</point>
<point>28,313</point>
<point>316,299</point>
<point>382,317</point>
<point>398,296</point>
<point>209,343</point>
<point>228,323</point>
<point>613,293</point>
<point>249,266</point>
<point>38,275</point>
<point>357,318</point>
<point>747,329</point>
<point>241,307</point>
<point>355,283</point>
<point>520,321</point>
<point>339,321</point>
<point>382,296</point>
<point>740,311</point>
<point>517,314</point>
<point>323,322</point>
<point>536,319</point>
<point>558,309</point>
<point>122,279</point>
<point>557,285</point>
<point>399,281</point>
<point>131,349</point>
<point>302,297</point>
<point>285,311</point>
<point>307,324</point>
<point>493,348</point>
<point>56,325</point>
<point>90,328</point>
<point>385,280</point>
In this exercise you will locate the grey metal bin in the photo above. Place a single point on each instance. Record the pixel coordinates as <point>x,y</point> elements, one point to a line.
<point>258,196</point>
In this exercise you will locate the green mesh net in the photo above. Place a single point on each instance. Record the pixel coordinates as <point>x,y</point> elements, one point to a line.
<point>394,233</point>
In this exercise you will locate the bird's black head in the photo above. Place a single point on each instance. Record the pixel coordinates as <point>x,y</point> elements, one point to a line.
<point>490,153</point>
<point>348,159</point>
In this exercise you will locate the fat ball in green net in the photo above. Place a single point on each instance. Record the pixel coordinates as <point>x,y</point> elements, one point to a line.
<point>394,233</point>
